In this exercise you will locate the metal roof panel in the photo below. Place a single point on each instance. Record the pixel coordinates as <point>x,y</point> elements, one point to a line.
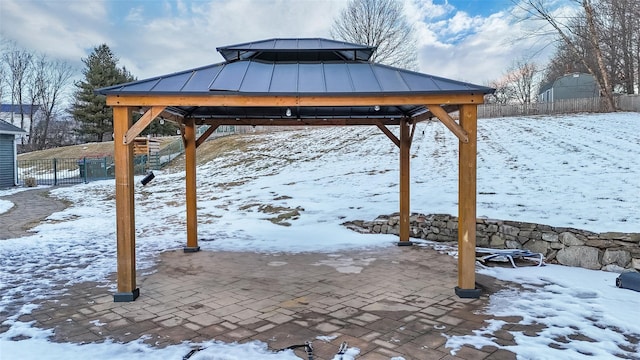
<point>363,78</point>
<point>285,78</point>
<point>230,77</point>
<point>337,78</point>
<point>172,83</point>
<point>257,78</point>
<point>311,78</point>
<point>202,78</point>
<point>390,79</point>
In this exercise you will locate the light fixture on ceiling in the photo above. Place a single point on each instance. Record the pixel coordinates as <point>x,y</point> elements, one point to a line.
<point>288,112</point>
<point>376,108</point>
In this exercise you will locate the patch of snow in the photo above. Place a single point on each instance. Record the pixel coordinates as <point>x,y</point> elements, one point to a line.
<point>582,311</point>
<point>5,205</point>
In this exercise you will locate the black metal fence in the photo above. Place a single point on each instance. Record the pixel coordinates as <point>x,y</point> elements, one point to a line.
<point>72,171</point>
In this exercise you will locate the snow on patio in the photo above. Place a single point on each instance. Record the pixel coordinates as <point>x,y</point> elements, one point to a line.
<point>577,171</point>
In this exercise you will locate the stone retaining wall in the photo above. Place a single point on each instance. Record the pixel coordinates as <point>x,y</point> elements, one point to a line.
<point>611,251</point>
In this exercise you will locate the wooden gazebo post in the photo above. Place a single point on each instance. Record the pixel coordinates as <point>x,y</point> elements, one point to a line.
<point>405,183</point>
<point>190,188</point>
<point>467,205</point>
<point>125,206</point>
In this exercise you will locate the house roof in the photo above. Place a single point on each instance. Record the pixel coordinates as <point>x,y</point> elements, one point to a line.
<point>551,84</point>
<point>296,67</point>
<point>18,108</point>
<point>6,128</point>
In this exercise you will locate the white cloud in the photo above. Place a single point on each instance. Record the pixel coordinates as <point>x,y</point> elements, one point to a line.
<point>135,14</point>
<point>62,29</point>
<point>157,38</point>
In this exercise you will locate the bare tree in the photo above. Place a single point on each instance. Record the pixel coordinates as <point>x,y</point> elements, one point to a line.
<point>52,78</point>
<point>18,63</point>
<point>540,10</point>
<point>382,24</point>
<point>503,94</point>
<point>522,78</point>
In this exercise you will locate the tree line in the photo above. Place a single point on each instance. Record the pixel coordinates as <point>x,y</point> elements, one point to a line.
<point>601,37</point>
<point>54,109</point>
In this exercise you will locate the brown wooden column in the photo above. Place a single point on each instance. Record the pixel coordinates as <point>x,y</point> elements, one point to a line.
<point>125,207</point>
<point>405,146</point>
<point>467,205</point>
<point>190,174</point>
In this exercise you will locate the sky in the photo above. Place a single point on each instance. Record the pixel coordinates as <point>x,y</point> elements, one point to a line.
<point>529,169</point>
<point>469,40</point>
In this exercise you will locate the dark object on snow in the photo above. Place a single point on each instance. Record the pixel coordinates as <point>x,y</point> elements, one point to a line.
<point>190,354</point>
<point>308,348</point>
<point>147,178</point>
<point>629,280</point>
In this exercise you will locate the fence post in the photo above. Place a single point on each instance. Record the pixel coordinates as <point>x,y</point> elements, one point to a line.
<point>104,166</point>
<point>84,166</point>
<point>55,172</point>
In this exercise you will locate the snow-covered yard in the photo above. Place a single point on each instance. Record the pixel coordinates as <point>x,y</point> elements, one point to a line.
<point>579,171</point>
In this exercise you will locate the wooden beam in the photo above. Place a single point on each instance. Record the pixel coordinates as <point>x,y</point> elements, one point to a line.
<point>300,122</point>
<point>405,146</point>
<point>206,134</point>
<point>125,208</point>
<point>448,121</point>
<point>389,134</point>
<point>190,177</point>
<point>142,123</point>
<point>467,204</point>
<point>217,99</point>
<point>429,115</point>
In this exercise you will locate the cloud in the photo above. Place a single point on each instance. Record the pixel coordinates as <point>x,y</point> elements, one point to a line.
<point>155,38</point>
<point>61,29</point>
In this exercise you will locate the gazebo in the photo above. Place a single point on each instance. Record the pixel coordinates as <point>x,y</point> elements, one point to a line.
<point>294,82</point>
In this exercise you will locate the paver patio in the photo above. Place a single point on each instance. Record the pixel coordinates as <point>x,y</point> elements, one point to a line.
<point>394,301</point>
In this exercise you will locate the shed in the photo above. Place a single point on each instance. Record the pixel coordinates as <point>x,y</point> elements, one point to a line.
<point>293,82</point>
<point>571,86</point>
<point>8,154</point>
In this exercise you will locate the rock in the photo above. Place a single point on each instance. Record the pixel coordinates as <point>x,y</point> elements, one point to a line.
<point>497,241</point>
<point>482,241</point>
<point>582,256</point>
<point>538,246</point>
<point>550,237</point>
<point>617,257</point>
<point>613,235</point>
<point>614,268</point>
<point>512,244</point>
<point>570,239</point>
<point>377,228</point>
<point>452,225</point>
<point>635,263</point>
<point>556,245</point>
<point>601,244</point>
<point>509,230</point>
<point>492,228</point>
<point>551,256</point>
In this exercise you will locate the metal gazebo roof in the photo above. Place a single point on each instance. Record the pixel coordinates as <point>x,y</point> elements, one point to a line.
<point>285,67</point>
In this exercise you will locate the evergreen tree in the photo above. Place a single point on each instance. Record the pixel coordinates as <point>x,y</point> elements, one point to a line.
<point>89,110</point>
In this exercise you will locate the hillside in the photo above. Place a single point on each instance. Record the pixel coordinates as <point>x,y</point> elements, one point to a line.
<point>94,149</point>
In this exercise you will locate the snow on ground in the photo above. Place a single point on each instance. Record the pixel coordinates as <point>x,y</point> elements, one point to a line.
<point>576,171</point>
<point>584,314</point>
<point>5,206</point>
